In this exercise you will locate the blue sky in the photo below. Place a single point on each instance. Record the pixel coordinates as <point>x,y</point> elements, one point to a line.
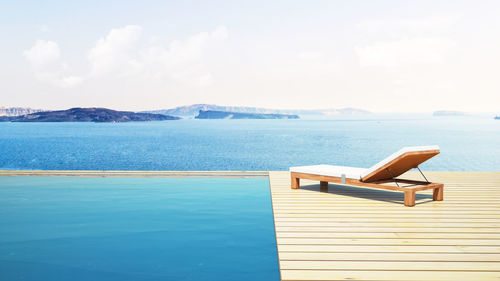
<point>411,56</point>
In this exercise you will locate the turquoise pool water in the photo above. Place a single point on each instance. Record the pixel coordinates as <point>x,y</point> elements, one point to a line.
<point>56,228</point>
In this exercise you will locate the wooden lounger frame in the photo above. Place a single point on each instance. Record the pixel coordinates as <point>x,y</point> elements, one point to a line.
<point>385,174</point>
<point>409,191</point>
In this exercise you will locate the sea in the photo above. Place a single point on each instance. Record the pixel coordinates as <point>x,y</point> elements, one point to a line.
<point>466,143</point>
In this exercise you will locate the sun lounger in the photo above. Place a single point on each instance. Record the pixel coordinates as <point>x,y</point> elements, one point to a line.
<point>382,175</point>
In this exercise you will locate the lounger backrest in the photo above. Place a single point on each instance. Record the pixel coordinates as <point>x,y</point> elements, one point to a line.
<point>400,162</point>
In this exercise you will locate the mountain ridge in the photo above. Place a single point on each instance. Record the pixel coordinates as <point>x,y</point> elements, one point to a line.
<point>92,114</point>
<point>194,109</point>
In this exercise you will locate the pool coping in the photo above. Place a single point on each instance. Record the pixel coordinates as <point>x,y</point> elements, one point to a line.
<point>123,173</point>
<point>96,173</point>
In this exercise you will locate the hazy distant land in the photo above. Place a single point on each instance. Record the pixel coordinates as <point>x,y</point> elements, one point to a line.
<point>87,115</point>
<point>190,111</point>
<point>17,111</point>
<point>449,113</point>
<point>212,114</point>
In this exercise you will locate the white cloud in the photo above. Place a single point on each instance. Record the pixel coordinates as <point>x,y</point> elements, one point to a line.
<point>181,52</point>
<point>220,33</point>
<point>42,53</point>
<point>122,53</point>
<point>404,52</point>
<point>58,79</point>
<point>69,81</point>
<point>115,52</point>
<point>406,41</point>
<point>44,58</point>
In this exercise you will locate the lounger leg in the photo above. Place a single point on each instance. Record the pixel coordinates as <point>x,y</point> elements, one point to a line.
<point>295,183</point>
<point>437,194</point>
<point>323,184</point>
<point>410,198</point>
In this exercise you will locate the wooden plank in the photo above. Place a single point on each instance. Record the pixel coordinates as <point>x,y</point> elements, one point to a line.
<point>393,265</point>
<point>393,220</point>
<point>388,249</point>
<point>395,241</point>
<point>386,224</point>
<point>390,229</point>
<point>393,275</point>
<point>387,216</point>
<point>387,235</point>
<point>450,257</point>
<point>314,210</point>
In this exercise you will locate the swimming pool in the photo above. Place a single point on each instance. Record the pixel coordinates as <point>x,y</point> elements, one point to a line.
<point>75,228</point>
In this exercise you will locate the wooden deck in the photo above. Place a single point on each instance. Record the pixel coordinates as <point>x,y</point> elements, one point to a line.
<point>349,233</point>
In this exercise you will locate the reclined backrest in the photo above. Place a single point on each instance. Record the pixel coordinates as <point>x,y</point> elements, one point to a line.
<point>400,162</point>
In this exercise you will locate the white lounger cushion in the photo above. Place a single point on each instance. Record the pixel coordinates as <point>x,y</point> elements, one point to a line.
<point>353,172</point>
<point>396,155</point>
<point>331,171</point>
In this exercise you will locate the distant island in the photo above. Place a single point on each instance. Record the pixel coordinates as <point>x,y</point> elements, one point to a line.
<point>87,115</point>
<point>212,114</point>
<point>190,111</point>
<point>448,113</point>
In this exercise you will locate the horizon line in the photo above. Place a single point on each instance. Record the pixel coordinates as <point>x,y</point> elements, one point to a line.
<point>259,107</point>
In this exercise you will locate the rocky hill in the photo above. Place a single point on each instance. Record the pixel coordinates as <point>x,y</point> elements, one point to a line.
<point>88,115</point>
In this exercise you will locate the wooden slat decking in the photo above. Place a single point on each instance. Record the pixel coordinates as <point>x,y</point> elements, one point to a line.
<point>350,233</point>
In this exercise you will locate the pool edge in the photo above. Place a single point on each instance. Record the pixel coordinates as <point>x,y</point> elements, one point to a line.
<point>96,173</point>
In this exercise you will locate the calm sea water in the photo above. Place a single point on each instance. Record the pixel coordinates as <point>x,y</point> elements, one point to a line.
<point>471,144</point>
<point>136,229</point>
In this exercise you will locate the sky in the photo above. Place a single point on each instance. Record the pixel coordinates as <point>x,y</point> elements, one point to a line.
<point>382,56</point>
